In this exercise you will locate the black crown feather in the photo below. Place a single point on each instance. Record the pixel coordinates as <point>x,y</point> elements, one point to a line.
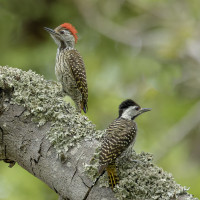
<point>125,104</point>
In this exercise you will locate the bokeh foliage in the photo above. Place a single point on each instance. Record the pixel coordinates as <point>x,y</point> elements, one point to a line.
<point>145,50</point>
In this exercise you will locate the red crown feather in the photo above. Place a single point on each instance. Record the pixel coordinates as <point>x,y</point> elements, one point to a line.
<point>71,29</point>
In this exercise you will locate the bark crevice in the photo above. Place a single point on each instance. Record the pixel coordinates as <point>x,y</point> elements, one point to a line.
<point>46,136</point>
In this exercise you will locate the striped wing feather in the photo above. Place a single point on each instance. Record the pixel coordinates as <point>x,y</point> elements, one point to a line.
<point>77,67</point>
<point>119,136</point>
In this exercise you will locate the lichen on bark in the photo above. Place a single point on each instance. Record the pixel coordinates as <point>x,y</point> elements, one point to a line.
<point>42,102</point>
<point>139,178</point>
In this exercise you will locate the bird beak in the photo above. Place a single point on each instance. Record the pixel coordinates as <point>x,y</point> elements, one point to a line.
<point>142,110</point>
<point>51,31</point>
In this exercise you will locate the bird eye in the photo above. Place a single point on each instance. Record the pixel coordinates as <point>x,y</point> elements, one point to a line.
<point>62,32</point>
<point>137,108</point>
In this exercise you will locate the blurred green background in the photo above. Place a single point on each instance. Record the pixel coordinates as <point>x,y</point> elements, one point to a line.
<point>148,51</point>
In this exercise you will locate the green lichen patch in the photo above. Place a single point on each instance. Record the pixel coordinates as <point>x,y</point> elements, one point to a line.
<point>44,104</point>
<point>139,178</point>
<point>91,169</point>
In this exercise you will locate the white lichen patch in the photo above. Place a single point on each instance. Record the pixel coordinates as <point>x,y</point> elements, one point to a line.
<point>44,104</point>
<point>144,180</point>
<point>139,178</point>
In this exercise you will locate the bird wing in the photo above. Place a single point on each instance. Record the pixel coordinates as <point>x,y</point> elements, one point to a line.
<point>119,136</point>
<point>77,67</point>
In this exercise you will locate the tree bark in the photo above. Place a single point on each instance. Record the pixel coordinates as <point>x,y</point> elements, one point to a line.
<point>46,136</point>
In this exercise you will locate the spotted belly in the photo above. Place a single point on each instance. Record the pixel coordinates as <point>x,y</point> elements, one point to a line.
<point>69,86</point>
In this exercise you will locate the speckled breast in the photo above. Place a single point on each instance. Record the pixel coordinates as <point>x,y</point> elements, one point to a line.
<point>64,74</point>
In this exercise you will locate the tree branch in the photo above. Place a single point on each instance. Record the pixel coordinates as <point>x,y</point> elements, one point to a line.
<point>46,136</point>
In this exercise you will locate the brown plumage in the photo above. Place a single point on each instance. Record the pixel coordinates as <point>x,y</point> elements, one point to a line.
<point>120,134</point>
<point>77,67</point>
<point>70,69</point>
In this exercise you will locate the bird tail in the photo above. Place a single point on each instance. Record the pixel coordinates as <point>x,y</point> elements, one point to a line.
<point>84,106</point>
<point>112,175</point>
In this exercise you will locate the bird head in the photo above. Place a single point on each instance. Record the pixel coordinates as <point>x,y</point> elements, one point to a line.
<point>64,35</point>
<point>129,109</point>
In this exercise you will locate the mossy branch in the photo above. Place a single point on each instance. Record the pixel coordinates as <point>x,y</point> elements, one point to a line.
<point>46,136</point>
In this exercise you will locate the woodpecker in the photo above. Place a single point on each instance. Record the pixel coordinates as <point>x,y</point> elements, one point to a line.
<point>120,134</point>
<point>69,68</point>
